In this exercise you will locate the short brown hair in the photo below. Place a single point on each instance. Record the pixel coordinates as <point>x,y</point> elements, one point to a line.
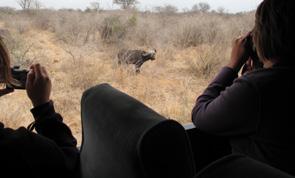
<point>5,71</point>
<point>274,30</point>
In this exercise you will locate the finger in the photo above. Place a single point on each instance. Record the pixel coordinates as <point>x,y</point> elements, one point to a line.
<point>37,70</point>
<point>249,33</point>
<point>30,76</point>
<point>45,75</point>
<point>245,37</point>
<point>44,72</point>
<point>238,41</point>
<point>235,41</point>
<point>241,38</point>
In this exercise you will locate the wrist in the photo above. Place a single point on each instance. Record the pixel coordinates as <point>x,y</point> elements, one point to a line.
<point>234,66</point>
<point>40,102</point>
<point>43,111</point>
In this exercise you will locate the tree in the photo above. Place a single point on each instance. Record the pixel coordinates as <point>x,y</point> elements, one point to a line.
<point>36,4</point>
<point>25,4</point>
<point>204,7</point>
<point>29,4</point>
<point>125,4</point>
<point>195,8</point>
<point>220,10</point>
<point>167,9</point>
<point>170,9</point>
<point>95,6</point>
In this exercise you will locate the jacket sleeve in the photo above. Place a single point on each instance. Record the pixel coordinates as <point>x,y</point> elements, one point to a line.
<point>50,124</point>
<point>228,107</point>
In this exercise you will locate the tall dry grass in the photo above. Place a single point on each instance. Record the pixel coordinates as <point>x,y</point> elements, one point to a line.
<point>79,50</point>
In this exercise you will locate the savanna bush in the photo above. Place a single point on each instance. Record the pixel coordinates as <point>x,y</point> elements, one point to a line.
<point>114,28</point>
<point>189,36</point>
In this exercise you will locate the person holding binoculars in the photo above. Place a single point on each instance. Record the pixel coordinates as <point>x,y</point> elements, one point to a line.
<point>255,111</point>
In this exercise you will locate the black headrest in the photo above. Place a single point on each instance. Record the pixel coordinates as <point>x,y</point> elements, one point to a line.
<point>123,138</point>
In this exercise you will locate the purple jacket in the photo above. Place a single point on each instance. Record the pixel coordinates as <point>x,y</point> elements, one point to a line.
<point>255,111</point>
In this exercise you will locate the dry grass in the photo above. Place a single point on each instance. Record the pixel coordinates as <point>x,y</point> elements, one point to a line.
<point>79,50</point>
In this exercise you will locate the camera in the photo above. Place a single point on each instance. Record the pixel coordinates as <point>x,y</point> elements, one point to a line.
<point>250,48</point>
<point>20,76</point>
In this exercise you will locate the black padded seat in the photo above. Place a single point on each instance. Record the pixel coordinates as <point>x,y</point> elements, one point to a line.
<point>123,138</point>
<point>240,166</point>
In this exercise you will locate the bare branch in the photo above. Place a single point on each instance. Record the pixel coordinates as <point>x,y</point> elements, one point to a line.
<point>29,4</point>
<point>125,4</point>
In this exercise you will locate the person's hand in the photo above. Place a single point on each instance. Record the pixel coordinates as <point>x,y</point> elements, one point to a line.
<point>248,67</point>
<point>239,54</point>
<point>38,85</point>
<point>6,91</point>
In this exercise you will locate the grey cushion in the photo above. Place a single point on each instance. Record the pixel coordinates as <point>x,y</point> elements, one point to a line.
<point>122,138</point>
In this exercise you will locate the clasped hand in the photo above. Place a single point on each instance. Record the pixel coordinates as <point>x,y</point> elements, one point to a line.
<point>38,85</point>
